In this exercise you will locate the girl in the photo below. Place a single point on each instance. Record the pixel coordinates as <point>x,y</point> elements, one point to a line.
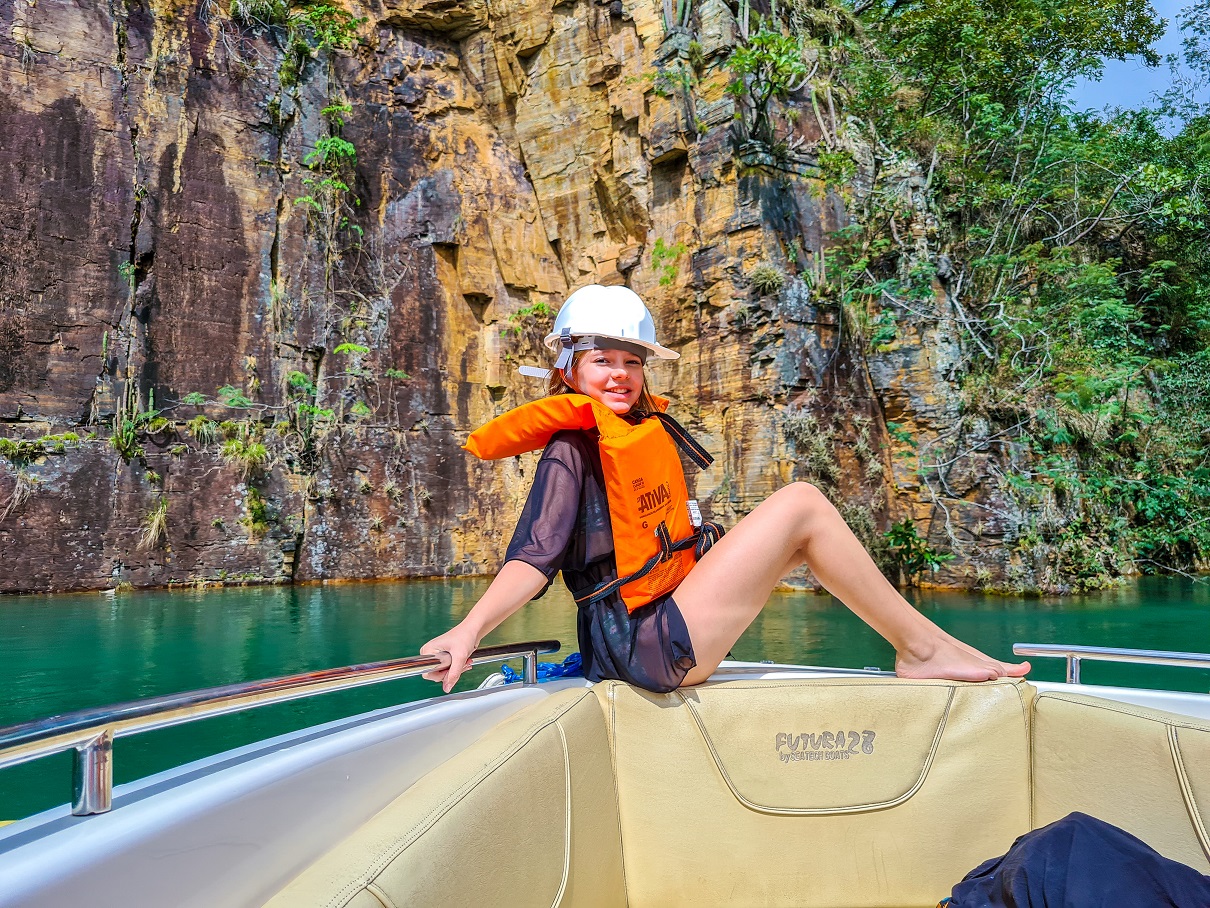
<point>659,606</point>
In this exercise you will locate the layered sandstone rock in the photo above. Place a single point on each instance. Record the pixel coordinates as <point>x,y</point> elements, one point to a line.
<point>157,242</point>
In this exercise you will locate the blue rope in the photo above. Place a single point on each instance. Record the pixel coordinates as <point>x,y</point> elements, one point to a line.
<point>571,667</point>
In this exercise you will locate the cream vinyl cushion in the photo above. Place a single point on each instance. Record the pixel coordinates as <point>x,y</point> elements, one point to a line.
<point>1144,770</point>
<point>525,816</point>
<point>816,793</point>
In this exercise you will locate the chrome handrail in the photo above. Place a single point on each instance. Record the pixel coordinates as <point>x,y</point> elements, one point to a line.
<point>91,732</point>
<point>1074,655</point>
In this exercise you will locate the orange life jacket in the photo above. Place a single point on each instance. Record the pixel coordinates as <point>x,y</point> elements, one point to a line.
<point>656,534</point>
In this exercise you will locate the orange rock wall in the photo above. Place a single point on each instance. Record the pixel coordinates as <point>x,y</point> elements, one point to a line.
<point>153,244</point>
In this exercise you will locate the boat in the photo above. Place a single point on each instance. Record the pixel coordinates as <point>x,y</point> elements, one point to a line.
<point>767,785</point>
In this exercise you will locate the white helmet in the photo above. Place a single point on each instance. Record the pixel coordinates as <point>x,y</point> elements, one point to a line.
<point>596,313</point>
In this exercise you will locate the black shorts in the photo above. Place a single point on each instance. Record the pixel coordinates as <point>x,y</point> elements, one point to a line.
<point>649,647</point>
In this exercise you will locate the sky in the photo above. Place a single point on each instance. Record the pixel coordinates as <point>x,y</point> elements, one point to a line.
<point>1129,83</point>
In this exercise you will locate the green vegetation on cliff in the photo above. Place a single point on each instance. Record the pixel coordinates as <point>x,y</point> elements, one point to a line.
<point>1072,248</point>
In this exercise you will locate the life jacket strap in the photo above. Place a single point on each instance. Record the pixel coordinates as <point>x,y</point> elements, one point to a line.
<point>707,535</point>
<point>700,541</point>
<point>695,452</point>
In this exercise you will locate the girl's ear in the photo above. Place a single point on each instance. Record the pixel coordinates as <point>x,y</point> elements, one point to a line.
<point>568,376</point>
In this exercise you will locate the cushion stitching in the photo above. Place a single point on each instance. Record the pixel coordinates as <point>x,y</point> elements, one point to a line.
<point>1182,777</point>
<point>611,699</point>
<point>401,844</point>
<point>1126,709</point>
<point>381,894</point>
<point>490,769</point>
<point>1033,766</point>
<point>763,684</point>
<point>1031,726</point>
<point>827,811</point>
<point>566,816</point>
<point>1026,719</point>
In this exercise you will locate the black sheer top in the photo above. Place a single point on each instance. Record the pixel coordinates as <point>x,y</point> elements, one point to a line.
<point>565,527</point>
<point>565,523</point>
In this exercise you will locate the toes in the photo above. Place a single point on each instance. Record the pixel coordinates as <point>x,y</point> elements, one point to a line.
<point>1014,669</point>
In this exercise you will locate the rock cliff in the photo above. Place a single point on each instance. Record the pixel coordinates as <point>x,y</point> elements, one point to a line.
<point>260,276</point>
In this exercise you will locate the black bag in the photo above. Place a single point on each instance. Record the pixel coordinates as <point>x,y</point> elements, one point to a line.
<point>1081,862</point>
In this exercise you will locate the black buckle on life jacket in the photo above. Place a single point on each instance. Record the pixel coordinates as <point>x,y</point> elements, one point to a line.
<point>665,538</point>
<point>700,541</point>
<point>707,535</point>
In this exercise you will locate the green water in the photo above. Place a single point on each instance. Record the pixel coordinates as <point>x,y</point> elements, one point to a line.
<point>59,653</point>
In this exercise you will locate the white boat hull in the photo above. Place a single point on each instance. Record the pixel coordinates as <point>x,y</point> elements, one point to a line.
<point>237,828</point>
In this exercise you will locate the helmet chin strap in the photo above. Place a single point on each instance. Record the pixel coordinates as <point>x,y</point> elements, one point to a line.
<point>569,346</point>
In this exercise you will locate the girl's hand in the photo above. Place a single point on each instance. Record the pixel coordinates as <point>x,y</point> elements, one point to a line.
<point>515,585</point>
<point>459,645</point>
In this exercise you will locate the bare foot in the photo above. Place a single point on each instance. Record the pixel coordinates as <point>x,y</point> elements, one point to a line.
<point>1007,669</point>
<point>952,660</point>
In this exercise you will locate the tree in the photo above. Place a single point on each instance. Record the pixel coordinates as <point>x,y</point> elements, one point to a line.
<point>768,65</point>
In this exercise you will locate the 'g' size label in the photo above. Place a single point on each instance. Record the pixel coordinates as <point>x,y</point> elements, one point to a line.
<point>839,745</point>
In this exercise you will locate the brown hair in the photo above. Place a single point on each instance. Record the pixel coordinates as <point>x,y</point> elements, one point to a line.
<point>555,384</point>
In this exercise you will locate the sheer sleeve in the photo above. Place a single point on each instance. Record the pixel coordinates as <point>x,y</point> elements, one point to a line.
<point>546,529</point>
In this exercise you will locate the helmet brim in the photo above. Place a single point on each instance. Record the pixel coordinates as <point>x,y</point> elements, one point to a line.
<point>657,350</point>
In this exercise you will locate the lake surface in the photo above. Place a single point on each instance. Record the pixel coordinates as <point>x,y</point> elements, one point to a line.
<point>59,653</point>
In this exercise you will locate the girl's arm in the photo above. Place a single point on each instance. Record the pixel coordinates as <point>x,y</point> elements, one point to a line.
<point>514,586</point>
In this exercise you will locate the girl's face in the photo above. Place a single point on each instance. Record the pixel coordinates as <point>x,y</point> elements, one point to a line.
<point>613,377</point>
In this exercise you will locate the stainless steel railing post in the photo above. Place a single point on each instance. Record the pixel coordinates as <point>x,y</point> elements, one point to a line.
<point>1073,669</point>
<point>530,667</point>
<point>92,776</point>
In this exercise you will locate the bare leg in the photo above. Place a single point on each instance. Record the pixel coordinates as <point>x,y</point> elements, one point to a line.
<point>797,525</point>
